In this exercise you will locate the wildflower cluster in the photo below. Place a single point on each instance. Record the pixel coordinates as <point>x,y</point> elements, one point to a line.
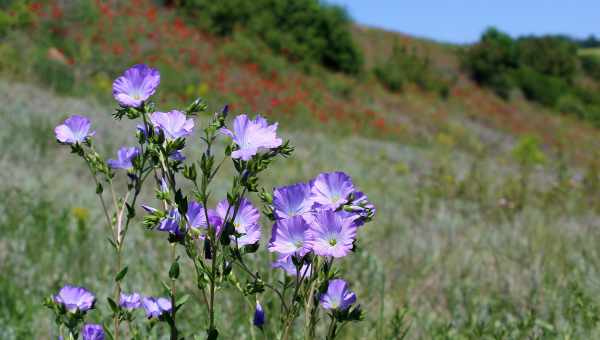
<point>314,223</point>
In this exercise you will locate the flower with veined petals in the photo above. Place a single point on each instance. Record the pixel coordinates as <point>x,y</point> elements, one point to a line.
<point>251,136</point>
<point>125,157</point>
<point>291,236</point>
<point>286,263</point>
<point>174,124</point>
<point>130,302</point>
<point>170,223</point>
<point>196,217</point>
<point>92,332</point>
<point>75,129</point>
<point>75,298</point>
<point>292,200</point>
<point>331,234</point>
<point>245,222</point>
<point>331,190</point>
<point>338,296</point>
<point>155,307</point>
<point>136,85</point>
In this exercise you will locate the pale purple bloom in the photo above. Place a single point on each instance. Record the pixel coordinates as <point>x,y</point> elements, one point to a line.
<point>196,217</point>
<point>170,223</point>
<point>130,302</point>
<point>251,136</point>
<point>174,124</point>
<point>259,315</point>
<point>92,332</point>
<point>291,236</point>
<point>292,200</point>
<point>75,129</point>
<point>338,296</point>
<point>245,223</point>
<point>75,298</point>
<point>155,307</point>
<point>361,208</point>
<point>136,85</point>
<point>125,157</point>
<point>331,190</point>
<point>332,235</point>
<point>164,187</point>
<point>287,264</point>
<point>177,156</point>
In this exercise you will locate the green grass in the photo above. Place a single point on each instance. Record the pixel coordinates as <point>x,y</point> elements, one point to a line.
<point>589,51</point>
<point>455,243</point>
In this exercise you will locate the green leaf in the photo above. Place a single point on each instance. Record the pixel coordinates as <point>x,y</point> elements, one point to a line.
<point>121,274</point>
<point>174,270</point>
<point>113,305</point>
<point>99,189</point>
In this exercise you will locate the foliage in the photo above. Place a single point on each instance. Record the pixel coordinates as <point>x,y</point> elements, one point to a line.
<point>548,55</point>
<point>307,31</point>
<point>491,59</point>
<point>404,67</point>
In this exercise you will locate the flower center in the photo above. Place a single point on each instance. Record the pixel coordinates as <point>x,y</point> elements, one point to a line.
<point>298,244</point>
<point>332,242</point>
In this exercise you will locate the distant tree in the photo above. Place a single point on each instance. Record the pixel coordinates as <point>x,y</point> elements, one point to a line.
<point>549,55</point>
<point>491,59</point>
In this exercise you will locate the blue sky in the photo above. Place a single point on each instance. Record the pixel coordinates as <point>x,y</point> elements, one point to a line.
<point>461,21</point>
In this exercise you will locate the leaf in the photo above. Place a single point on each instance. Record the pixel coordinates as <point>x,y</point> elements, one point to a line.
<point>174,270</point>
<point>113,305</point>
<point>121,274</point>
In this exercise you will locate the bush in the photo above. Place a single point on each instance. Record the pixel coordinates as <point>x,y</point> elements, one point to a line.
<point>539,87</point>
<point>549,55</point>
<point>302,30</point>
<point>491,59</point>
<point>591,66</point>
<point>405,67</point>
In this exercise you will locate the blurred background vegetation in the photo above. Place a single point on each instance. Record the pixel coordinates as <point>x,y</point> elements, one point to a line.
<point>481,159</point>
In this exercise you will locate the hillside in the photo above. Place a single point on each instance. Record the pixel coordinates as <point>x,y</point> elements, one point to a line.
<point>487,209</point>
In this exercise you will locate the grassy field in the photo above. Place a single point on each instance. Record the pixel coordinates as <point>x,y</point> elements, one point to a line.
<point>457,244</point>
<point>487,210</point>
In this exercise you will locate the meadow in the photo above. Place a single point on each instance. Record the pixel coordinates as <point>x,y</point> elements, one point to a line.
<point>487,210</point>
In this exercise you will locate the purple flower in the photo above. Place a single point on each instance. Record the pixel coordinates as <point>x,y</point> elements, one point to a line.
<point>360,209</point>
<point>130,302</point>
<point>251,136</point>
<point>331,190</point>
<point>75,298</point>
<point>245,223</point>
<point>197,218</point>
<point>75,129</point>
<point>338,296</point>
<point>287,264</point>
<point>92,332</point>
<point>292,200</point>
<point>125,157</point>
<point>174,124</point>
<point>136,85</point>
<point>259,315</point>
<point>332,235</point>
<point>170,223</point>
<point>291,236</point>
<point>177,156</point>
<point>155,307</point>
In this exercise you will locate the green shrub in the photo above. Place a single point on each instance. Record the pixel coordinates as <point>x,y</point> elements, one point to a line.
<point>539,87</point>
<point>549,55</point>
<point>591,66</point>
<point>491,59</point>
<point>302,30</point>
<point>405,67</point>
